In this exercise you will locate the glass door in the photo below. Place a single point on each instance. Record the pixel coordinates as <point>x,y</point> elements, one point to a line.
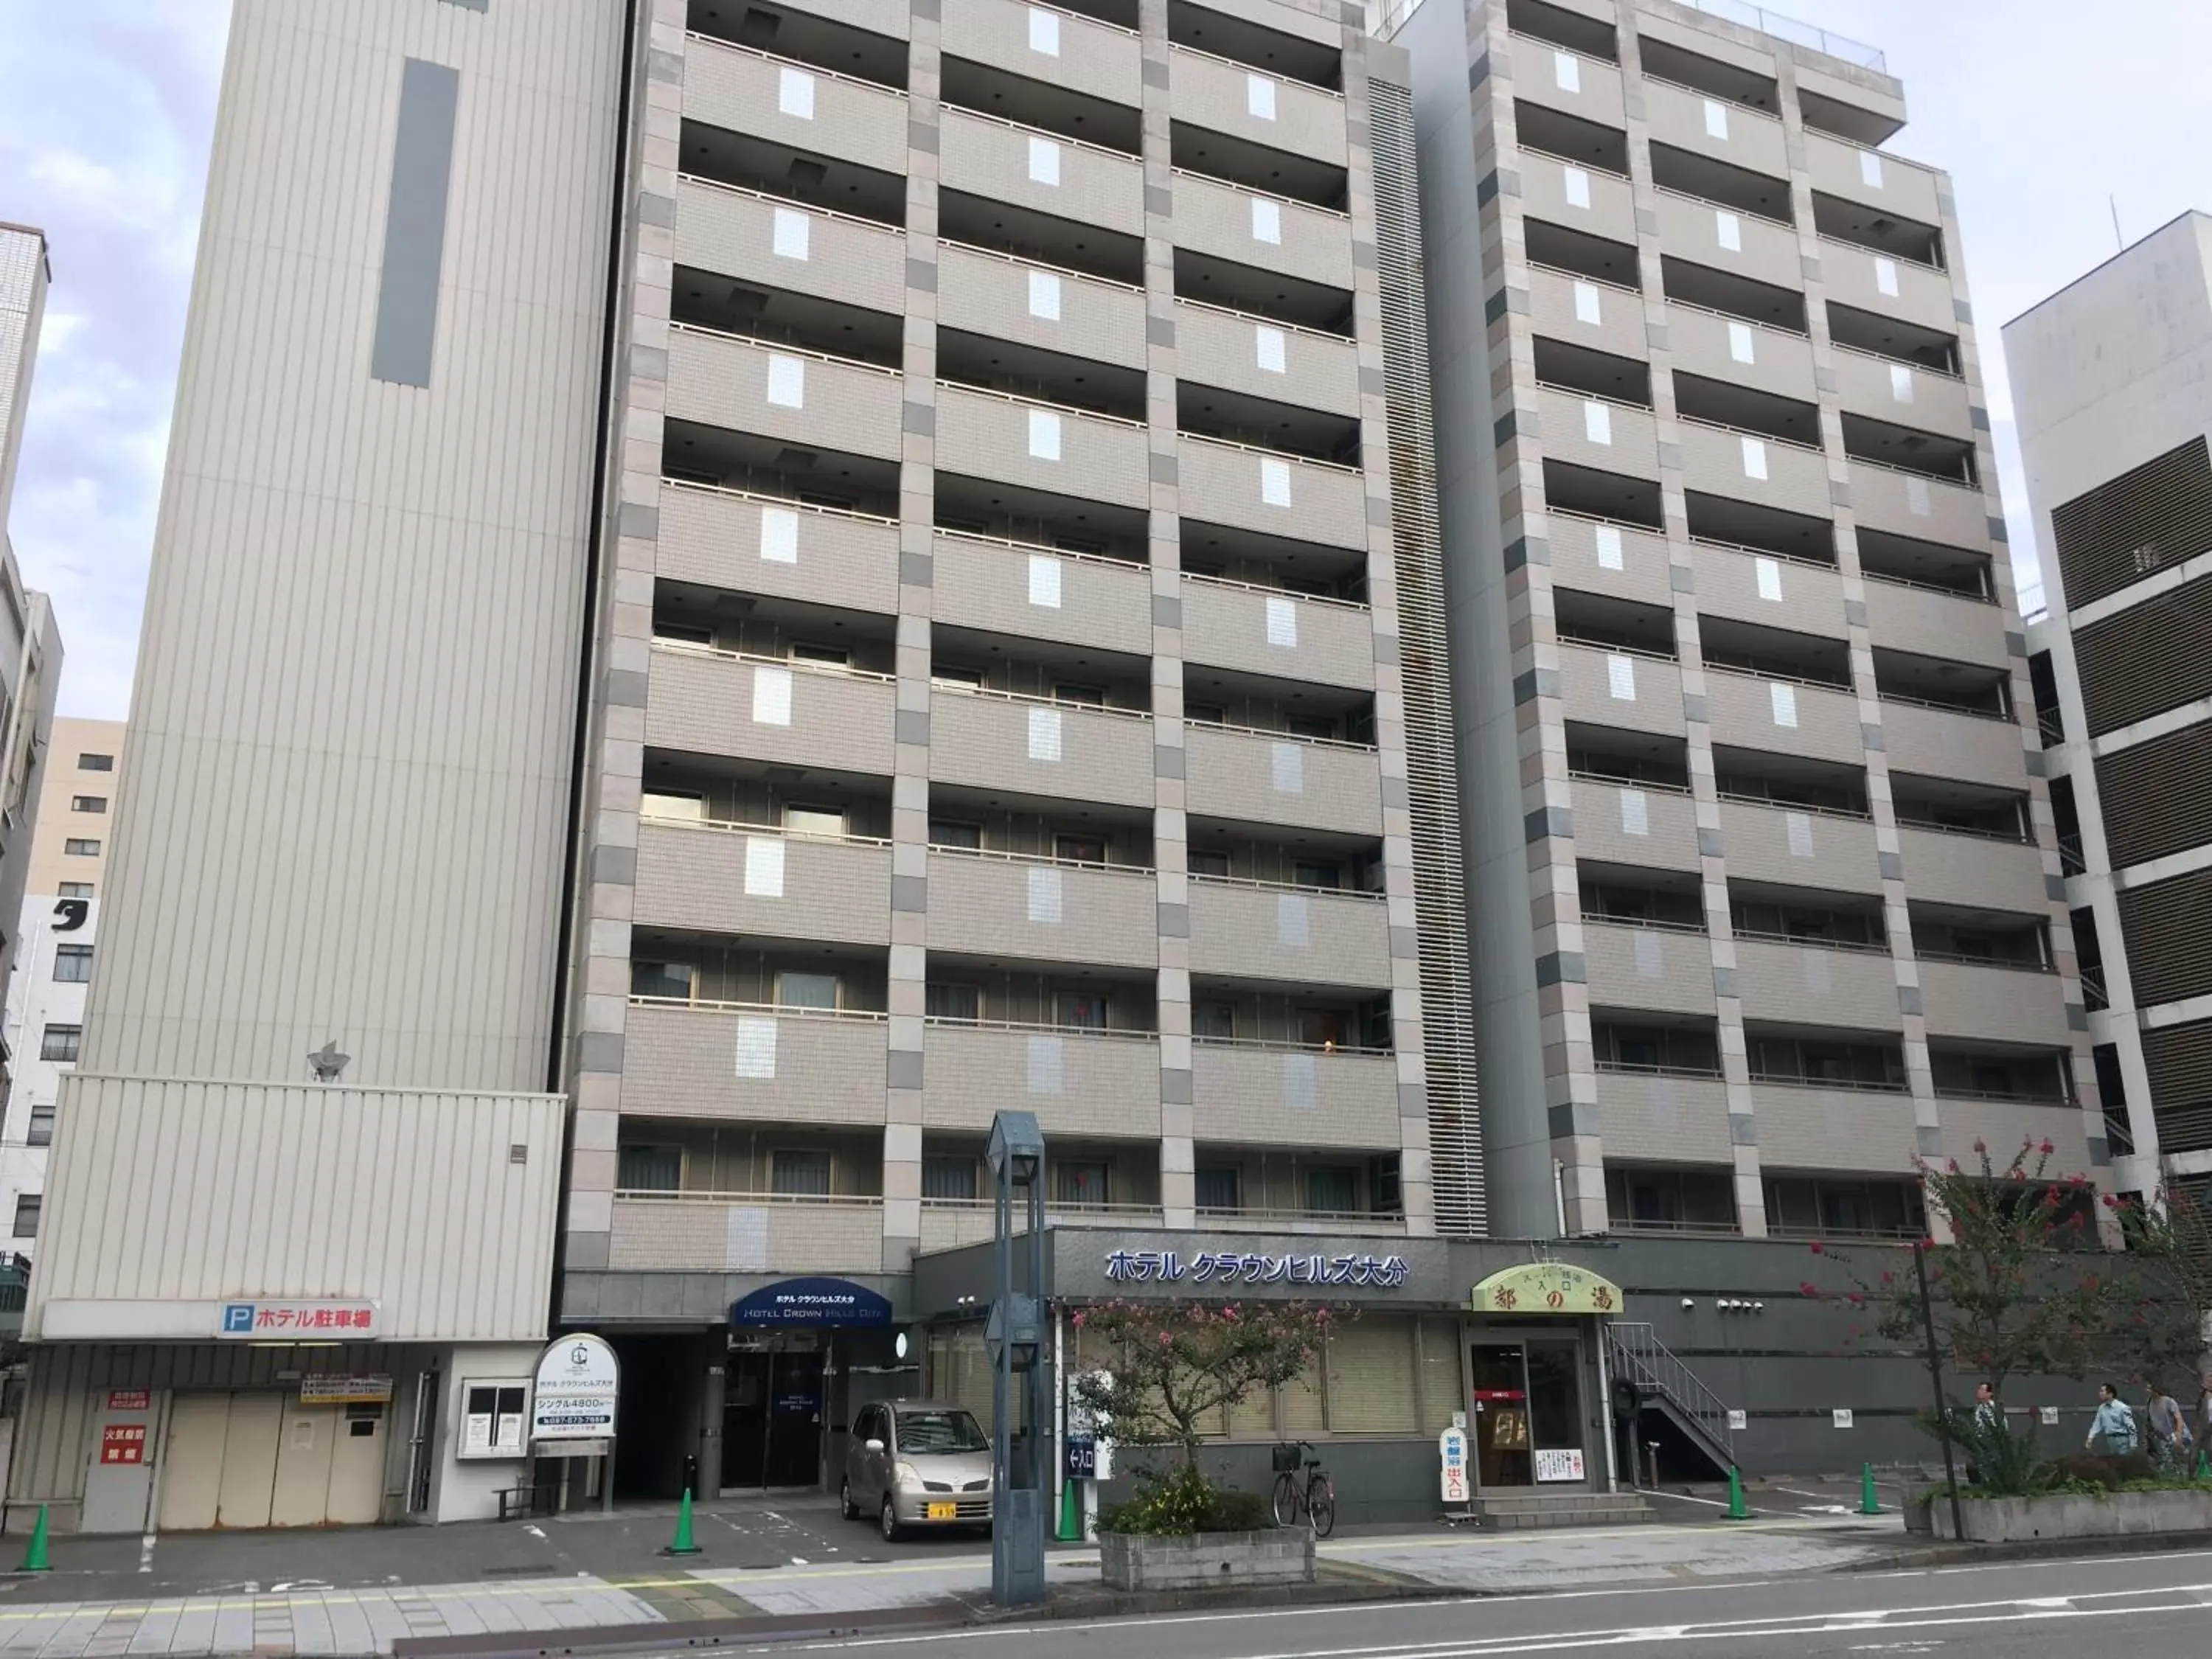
<point>1555,1411</point>
<point>1501,1416</point>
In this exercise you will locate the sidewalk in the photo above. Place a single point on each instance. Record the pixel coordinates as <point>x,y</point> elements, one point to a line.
<point>359,1591</point>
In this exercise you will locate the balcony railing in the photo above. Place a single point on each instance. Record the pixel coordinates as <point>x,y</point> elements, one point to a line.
<point>780,1010</point>
<point>1858,1085</point>
<point>1867,947</point>
<point>2010,837</point>
<point>1967,960</point>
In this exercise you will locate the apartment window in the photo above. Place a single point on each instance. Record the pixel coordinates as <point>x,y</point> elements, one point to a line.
<point>41,1132</point>
<point>815,821</point>
<point>1084,696</point>
<point>95,763</point>
<point>683,806</point>
<point>1220,1186</point>
<point>72,964</point>
<point>59,1042</point>
<point>958,1002</point>
<point>948,1177</point>
<point>1076,1181</point>
<point>1332,1192</point>
<point>1330,876</point>
<point>953,833</point>
<point>674,980</point>
<point>821,656</point>
<point>1321,1027</point>
<point>26,1216</point>
<point>649,1168</point>
<point>1309,726</point>
<point>1079,1010</point>
<point>674,633</point>
<point>1214,1022</point>
<point>806,1175</point>
<point>806,991</point>
<point>88,803</point>
<point>74,889</point>
<point>1205,713</point>
<point>1078,850</point>
<point>954,678</point>
<point>1209,864</point>
<point>78,847</point>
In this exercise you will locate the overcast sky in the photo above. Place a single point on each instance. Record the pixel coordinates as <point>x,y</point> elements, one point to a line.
<point>2042,110</point>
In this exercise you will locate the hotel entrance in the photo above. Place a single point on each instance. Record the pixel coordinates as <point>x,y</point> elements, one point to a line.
<point>1527,1411</point>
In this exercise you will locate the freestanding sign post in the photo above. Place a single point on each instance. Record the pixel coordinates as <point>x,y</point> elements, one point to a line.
<point>1015,1341</point>
<point>572,1395</point>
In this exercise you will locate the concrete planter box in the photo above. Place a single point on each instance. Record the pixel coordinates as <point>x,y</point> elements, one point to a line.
<point>2007,1520</point>
<point>1131,1561</point>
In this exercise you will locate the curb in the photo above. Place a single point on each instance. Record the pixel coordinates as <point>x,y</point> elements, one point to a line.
<point>2033,1549</point>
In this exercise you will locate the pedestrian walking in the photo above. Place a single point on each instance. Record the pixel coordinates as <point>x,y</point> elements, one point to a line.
<point>2171,1442</point>
<point>2113,1431</point>
<point>1988,1414</point>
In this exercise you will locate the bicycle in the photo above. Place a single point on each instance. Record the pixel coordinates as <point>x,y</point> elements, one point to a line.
<point>1314,1498</point>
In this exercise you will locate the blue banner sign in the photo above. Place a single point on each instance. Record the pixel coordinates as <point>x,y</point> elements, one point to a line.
<point>816,1302</point>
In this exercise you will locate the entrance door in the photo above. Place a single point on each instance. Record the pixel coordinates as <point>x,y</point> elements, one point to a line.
<point>795,1432</point>
<point>249,1461</point>
<point>1555,1410</point>
<point>1501,1418</point>
<point>191,1474</point>
<point>744,1423</point>
<point>358,1465</point>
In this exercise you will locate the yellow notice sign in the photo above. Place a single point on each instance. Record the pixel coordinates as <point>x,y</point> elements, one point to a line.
<point>1547,1287</point>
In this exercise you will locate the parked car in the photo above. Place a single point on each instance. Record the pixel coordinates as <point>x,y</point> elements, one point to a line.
<point>915,1463</point>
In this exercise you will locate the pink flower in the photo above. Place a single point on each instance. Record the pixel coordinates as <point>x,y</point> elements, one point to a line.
<point>1981,1145</point>
<point>1809,1288</point>
<point>1818,1248</point>
<point>1077,1320</point>
<point>2046,1149</point>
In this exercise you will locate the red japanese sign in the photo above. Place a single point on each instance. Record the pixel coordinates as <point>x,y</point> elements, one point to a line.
<point>129,1399</point>
<point>122,1443</point>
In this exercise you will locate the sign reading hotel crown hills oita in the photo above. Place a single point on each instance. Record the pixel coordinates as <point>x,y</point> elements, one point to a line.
<point>573,1394</point>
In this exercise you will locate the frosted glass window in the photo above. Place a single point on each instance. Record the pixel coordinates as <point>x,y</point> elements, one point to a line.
<point>1272,346</point>
<point>1301,1082</point>
<point>1597,423</point>
<point>1900,383</point>
<point>1870,169</point>
<point>755,1046</point>
<point>1740,343</point>
<point>1728,231</point>
<point>1620,678</point>
<point>1587,308</point>
<point>1282,622</point>
<point>1293,919</point>
<point>1783,699</point>
<point>1045,895</point>
<point>1567,70</point>
<point>1754,458</point>
<point>794,92</point>
<point>779,535</point>
<point>1716,118</point>
<point>1885,275</point>
<point>1650,955</point>
<point>1289,769</point>
<point>1608,547</point>
<point>1044,162</point>
<point>1259,97</point>
<point>763,867</point>
<point>1044,735</point>
<point>1275,483</point>
<point>793,229</point>
<point>1044,580</point>
<point>1267,220</point>
<point>771,695</point>
<point>1768,572</point>
<point>1916,497</point>
<point>1578,186</point>
<point>1044,295</point>
<point>1635,812</point>
<point>1044,30</point>
<point>1799,828</point>
<point>1044,435</point>
<point>786,381</point>
<point>1046,1073</point>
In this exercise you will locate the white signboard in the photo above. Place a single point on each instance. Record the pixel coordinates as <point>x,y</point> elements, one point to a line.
<point>1558,1466</point>
<point>1451,1453</point>
<point>1739,1417</point>
<point>576,1384</point>
<point>1843,1417</point>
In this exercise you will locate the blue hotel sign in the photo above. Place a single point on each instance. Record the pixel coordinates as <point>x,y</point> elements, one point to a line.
<point>1382,1272</point>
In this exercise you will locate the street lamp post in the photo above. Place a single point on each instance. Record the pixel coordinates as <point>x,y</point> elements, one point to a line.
<point>1014,1339</point>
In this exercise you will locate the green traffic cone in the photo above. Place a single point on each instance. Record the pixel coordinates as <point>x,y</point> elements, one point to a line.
<point>1071,1522</point>
<point>1869,1504</point>
<point>683,1543</point>
<point>1737,1509</point>
<point>2204,1464</point>
<point>34,1558</point>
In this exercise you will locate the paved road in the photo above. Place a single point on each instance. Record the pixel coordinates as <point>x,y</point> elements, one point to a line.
<point>2146,1608</point>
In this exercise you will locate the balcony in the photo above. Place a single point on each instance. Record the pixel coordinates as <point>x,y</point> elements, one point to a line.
<point>1043,910</point>
<point>1260,1095</point>
<point>1263,931</point>
<point>1853,170</point>
<point>1282,114</point>
<point>759,1063</point>
<point>1222,347</point>
<point>1058,751</point>
<point>1888,284</point>
<point>1663,1117</point>
<point>1831,1127</point>
<point>759,238</point>
<point>948,1222</point>
<point>1748,586</point>
<point>1585,86</point>
<point>1885,389</point>
<point>742,90</point>
<point>996,296</point>
<point>1973,871</point>
<point>1228,221</point>
<point>1046,43</point>
<point>1602,555</point>
<point>742,385</point>
<point>1789,717</point>
<point>1581,196</point>
<point>1770,472</point>
<point>1591,432</point>
<point>1078,1082</point>
<point>1762,356</point>
<point>1791,847</point>
<point>984,155</point>
<point>1716,127</point>
<point>1943,743</point>
<point>719,702</point>
<point>1601,315</point>
<point>1041,592</point>
<point>1275,494</point>
<point>1634,824</point>
<point>1262,631</point>
<point>745,1233</point>
<point>1266,777</point>
<point>1787,982</point>
<point>1909,504</point>
<point>1621,688</point>
<point>1993,1003</point>
<point>1662,970</point>
<point>1727,238</point>
<point>1040,446</point>
<point>1934,622</point>
<point>741,541</point>
<point>747,879</point>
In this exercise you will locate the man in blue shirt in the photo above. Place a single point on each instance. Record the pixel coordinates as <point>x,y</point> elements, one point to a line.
<point>2113,1431</point>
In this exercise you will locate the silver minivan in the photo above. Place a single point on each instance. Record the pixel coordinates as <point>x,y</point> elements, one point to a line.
<point>912,1463</point>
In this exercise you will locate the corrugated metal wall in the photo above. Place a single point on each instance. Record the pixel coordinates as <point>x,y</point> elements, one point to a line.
<point>2147,659</point>
<point>2156,796</point>
<point>2149,518</point>
<point>353,718</point>
<point>192,1192</point>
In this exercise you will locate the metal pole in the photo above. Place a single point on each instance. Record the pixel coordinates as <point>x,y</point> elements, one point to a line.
<point>1605,1410</point>
<point>1935,1381</point>
<point>767,1416</point>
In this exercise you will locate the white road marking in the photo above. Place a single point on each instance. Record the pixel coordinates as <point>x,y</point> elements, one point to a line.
<point>146,1552</point>
<point>535,1531</point>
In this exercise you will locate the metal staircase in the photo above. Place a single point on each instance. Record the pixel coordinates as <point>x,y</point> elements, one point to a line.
<point>1636,1352</point>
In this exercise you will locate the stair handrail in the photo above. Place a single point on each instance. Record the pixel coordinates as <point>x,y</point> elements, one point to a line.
<point>1657,1367</point>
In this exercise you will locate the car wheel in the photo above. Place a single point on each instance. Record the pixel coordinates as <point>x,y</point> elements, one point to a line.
<point>889,1521</point>
<point>845,1503</point>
